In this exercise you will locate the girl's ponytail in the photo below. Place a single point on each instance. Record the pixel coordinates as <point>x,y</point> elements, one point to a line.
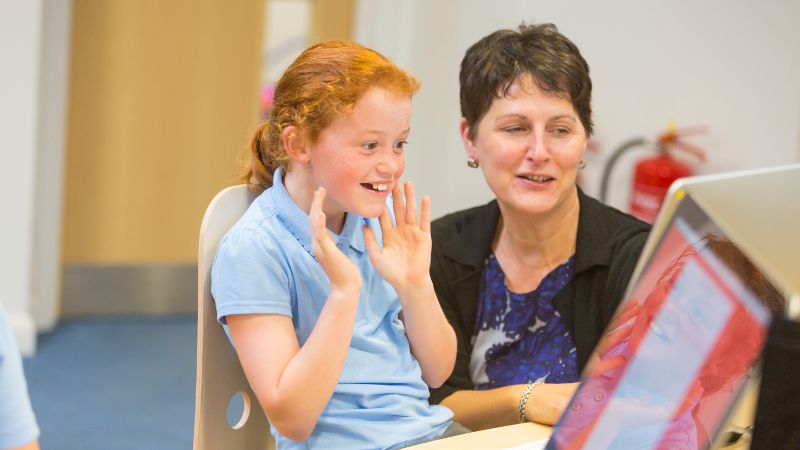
<point>263,158</point>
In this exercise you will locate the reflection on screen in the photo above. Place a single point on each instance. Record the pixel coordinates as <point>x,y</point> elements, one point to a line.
<point>651,389</point>
<point>674,358</point>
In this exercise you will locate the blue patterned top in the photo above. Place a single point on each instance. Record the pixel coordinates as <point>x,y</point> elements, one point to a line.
<point>520,338</point>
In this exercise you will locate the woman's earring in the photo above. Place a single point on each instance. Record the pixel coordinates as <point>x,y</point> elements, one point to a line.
<point>473,163</point>
<point>582,164</point>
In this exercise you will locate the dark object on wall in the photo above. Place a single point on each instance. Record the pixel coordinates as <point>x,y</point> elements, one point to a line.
<point>778,410</point>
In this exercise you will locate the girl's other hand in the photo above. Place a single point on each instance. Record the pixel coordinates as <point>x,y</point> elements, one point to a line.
<point>341,271</point>
<point>405,259</point>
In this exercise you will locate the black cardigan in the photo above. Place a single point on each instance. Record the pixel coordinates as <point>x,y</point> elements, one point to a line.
<point>607,248</point>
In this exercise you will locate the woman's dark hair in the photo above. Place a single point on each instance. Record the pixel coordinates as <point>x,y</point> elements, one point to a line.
<point>492,65</point>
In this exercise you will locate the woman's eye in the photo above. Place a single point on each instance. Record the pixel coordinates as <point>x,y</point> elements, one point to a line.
<point>514,130</point>
<point>561,131</point>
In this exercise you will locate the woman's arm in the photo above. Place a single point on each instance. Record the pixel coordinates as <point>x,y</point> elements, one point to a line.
<point>404,262</point>
<point>479,410</point>
<point>292,383</point>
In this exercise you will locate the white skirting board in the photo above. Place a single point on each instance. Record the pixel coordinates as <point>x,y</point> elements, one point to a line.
<point>24,329</point>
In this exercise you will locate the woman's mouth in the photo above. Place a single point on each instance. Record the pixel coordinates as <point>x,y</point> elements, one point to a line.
<point>537,178</point>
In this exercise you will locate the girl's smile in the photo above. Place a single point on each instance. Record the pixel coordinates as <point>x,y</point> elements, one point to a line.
<point>358,158</point>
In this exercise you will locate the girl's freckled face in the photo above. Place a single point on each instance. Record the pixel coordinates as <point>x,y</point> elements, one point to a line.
<point>360,156</point>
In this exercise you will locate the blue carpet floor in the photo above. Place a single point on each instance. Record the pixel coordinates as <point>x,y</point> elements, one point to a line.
<point>115,383</point>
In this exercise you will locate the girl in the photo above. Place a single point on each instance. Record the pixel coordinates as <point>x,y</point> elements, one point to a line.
<point>339,331</point>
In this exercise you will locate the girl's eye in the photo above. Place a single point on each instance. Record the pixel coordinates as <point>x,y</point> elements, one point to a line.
<point>369,145</point>
<point>399,146</point>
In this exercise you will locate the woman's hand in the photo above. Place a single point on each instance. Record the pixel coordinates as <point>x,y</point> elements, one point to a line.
<point>342,273</point>
<point>548,401</point>
<point>405,259</point>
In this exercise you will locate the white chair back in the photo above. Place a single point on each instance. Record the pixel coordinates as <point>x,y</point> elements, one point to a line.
<point>219,374</point>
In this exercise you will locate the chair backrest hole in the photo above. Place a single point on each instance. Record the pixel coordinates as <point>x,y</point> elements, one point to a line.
<point>238,410</point>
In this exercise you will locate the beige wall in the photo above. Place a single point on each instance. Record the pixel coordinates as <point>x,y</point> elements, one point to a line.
<point>163,97</point>
<point>332,19</point>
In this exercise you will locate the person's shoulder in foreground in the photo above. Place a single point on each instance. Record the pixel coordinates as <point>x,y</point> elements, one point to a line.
<point>18,428</point>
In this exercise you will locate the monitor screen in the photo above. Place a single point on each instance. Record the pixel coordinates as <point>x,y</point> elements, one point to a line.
<point>672,362</point>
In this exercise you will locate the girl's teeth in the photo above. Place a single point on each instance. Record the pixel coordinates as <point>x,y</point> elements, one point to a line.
<point>380,187</point>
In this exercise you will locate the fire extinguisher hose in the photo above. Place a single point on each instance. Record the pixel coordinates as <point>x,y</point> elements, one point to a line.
<point>612,160</point>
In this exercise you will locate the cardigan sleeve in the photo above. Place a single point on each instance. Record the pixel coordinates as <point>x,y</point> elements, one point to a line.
<point>621,270</point>
<point>460,378</point>
<point>588,304</point>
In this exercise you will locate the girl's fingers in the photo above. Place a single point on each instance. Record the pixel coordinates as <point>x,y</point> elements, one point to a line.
<point>386,222</point>
<point>315,214</point>
<point>371,243</point>
<point>425,219</point>
<point>411,204</point>
<point>397,205</point>
<point>316,217</point>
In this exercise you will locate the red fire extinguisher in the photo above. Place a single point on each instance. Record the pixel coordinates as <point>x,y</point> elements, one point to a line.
<point>653,175</point>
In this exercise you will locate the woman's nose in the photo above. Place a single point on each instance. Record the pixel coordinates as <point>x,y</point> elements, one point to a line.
<point>537,149</point>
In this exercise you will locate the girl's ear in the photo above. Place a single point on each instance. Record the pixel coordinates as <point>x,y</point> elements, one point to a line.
<point>295,144</point>
<point>469,144</point>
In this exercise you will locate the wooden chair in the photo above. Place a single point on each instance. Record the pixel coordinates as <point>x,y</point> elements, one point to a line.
<point>219,374</point>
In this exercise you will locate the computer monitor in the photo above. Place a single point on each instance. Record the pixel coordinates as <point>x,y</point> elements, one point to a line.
<point>675,357</point>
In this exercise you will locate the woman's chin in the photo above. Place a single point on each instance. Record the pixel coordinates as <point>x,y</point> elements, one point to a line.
<point>536,203</point>
<point>534,206</point>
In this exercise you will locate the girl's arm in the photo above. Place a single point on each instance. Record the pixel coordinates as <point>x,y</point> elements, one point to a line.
<point>432,339</point>
<point>404,262</point>
<point>293,384</point>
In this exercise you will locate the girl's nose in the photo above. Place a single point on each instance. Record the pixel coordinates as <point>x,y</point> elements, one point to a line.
<point>389,164</point>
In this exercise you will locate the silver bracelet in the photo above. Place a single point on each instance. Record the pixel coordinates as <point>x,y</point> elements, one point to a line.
<point>524,399</point>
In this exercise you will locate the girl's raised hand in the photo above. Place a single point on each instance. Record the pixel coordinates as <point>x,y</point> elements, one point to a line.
<point>341,271</point>
<point>405,259</point>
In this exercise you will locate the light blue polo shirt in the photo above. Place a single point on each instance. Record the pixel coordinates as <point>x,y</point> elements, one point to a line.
<point>264,264</point>
<point>17,422</point>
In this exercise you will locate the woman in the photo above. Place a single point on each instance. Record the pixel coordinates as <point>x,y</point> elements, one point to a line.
<point>530,280</point>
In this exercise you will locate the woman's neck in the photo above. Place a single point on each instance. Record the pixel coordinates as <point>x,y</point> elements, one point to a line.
<point>300,185</point>
<point>529,247</point>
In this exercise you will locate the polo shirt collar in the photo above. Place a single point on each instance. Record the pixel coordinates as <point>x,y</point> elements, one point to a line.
<point>296,220</point>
